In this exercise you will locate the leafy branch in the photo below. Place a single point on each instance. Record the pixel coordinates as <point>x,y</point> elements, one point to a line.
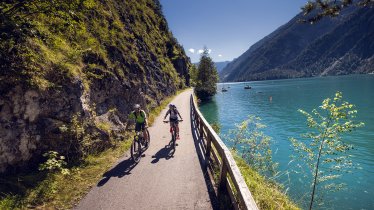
<point>317,9</point>
<point>324,151</point>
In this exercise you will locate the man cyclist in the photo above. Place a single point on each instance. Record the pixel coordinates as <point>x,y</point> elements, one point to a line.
<point>173,117</point>
<point>140,118</point>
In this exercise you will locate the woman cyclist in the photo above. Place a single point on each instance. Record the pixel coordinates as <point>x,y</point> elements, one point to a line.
<point>173,112</point>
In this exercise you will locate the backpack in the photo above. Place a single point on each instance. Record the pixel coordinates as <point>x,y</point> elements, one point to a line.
<point>141,114</point>
<point>175,114</point>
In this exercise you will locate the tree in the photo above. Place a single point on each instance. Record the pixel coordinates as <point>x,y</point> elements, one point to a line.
<point>253,145</point>
<point>207,77</point>
<point>193,75</point>
<point>317,9</point>
<point>325,152</point>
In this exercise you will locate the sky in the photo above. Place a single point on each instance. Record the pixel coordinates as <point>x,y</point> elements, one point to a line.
<point>226,27</point>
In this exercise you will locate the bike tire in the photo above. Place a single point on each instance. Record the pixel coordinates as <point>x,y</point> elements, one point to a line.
<point>136,151</point>
<point>173,140</point>
<point>148,141</point>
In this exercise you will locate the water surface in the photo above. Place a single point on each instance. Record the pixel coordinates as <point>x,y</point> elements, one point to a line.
<point>276,102</point>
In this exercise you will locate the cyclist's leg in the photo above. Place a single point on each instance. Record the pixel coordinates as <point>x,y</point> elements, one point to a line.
<point>137,127</point>
<point>171,124</point>
<point>177,128</point>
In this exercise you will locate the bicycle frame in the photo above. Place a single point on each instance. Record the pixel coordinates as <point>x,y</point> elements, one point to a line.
<point>173,131</point>
<point>137,144</point>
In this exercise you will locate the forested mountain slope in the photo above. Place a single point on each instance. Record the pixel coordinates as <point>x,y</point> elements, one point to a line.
<point>332,46</point>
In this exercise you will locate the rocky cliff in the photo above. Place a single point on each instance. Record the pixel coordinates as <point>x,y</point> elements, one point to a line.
<point>71,71</point>
<point>333,46</point>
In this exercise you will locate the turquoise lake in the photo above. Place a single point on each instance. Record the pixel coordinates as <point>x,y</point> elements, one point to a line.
<point>276,102</point>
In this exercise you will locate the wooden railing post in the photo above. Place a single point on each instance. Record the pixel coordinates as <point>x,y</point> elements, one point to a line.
<point>208,146</point>
<point>222,179</point>
<point>201,130</point>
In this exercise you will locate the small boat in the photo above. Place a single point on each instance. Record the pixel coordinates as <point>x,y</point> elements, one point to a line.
<point>247,87</point>
<point>224,90</point>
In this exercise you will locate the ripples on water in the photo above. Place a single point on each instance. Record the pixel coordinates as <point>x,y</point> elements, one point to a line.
<point>276,103</point>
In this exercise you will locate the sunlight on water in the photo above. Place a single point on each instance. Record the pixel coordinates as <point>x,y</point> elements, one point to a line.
<point>276,102</point>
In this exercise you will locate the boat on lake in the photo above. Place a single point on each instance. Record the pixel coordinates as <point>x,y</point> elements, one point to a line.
<point>247,87</point>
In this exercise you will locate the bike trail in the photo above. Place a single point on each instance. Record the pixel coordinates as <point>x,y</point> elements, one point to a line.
<point>160,180</point>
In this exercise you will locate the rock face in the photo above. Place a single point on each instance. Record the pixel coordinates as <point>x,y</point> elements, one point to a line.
<point>333,46</point>
<point>75,92</point>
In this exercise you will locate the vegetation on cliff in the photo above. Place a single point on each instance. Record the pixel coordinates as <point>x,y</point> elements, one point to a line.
<point>70,72</point>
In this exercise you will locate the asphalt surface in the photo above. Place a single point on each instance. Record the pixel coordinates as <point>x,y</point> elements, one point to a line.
<point>161,180</point>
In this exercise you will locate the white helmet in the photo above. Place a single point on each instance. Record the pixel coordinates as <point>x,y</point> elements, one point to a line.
<point>136,106</point>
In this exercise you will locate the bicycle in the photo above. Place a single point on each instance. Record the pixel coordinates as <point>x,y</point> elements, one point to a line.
<point>173,132</point>
<point>138,142</point>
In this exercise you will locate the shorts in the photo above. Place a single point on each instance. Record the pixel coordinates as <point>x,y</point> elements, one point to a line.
<point>173,121</point>
<point>139,126</point>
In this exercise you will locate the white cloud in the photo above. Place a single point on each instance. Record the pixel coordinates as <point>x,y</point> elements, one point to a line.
<point>201,51</point>
<point>191,50</point>
<point>219,55</point>
<point>209,51</point>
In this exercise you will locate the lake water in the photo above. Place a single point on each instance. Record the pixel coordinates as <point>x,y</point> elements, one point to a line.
<point>276,102</point>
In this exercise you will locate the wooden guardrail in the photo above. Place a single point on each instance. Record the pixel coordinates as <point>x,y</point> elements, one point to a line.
<point>218,157</point>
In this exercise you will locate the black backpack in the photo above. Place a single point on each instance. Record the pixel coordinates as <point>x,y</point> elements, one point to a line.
<point>175,111</point>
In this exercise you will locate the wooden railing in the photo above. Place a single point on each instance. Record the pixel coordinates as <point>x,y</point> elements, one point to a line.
<point>218,158</point>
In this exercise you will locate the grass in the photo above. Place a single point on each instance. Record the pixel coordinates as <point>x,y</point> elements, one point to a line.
<point>57,191</point>
<point>267,194</point>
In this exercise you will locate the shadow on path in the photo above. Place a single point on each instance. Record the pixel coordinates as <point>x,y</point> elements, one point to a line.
<point>167,152</point>
<point>120,170</point>
<point>200,150</point>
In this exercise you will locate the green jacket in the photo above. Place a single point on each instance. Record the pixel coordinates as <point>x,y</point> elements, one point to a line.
<point>139,118</point>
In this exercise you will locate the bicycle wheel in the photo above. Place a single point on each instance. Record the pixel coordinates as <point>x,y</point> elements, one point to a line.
<point>136,151</point>
<point>148,140</point>
<point>173,139</point>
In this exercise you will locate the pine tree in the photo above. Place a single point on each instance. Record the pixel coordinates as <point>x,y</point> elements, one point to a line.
<point>207,77</point>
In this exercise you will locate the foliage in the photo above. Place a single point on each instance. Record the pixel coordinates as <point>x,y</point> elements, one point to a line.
<point>56,190</point>
<point>207,77</point>
<point>43,43</point>
<point>54,162</point>
<point>216,127</point>
<point>193,75</point>
<point>267,194</point>
<point>317,9</point>
<point>324,151</point>
<point>253,145</point>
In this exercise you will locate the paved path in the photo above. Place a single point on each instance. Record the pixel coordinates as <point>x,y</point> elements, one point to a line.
<point>158,181</point>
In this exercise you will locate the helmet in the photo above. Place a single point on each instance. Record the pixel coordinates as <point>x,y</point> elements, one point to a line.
<point>171,105</point>
<point>136,106</point>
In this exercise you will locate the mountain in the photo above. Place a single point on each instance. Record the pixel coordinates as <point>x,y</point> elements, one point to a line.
<point>71,72</point>
<point>333,46</point>
<point>221,65</point>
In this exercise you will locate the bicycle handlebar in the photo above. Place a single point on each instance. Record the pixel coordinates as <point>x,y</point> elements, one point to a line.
<point>166,121</point>
<point>132,129</point>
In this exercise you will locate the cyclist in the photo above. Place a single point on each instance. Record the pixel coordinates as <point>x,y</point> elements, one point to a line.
<point>140,118</point>
<point>173,117</point>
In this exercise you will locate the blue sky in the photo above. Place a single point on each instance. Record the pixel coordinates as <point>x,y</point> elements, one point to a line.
<point>227,27</point>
